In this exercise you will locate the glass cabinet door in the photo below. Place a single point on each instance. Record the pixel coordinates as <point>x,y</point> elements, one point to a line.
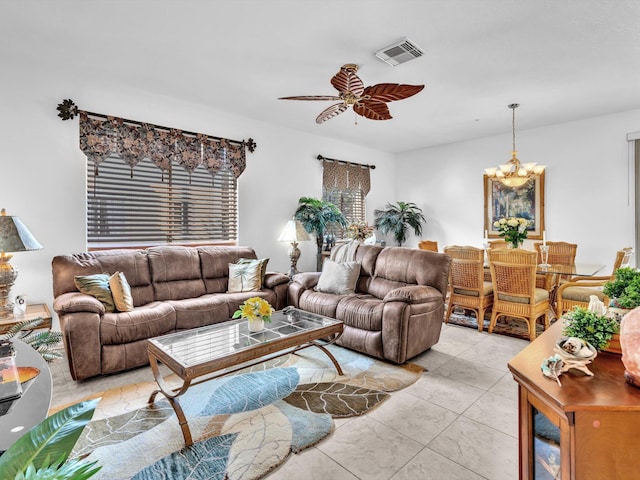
<point>546,448</point>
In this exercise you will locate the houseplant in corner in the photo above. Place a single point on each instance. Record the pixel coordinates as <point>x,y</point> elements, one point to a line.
<point>42,452</point>
<point>257,311</point>
<point>316,216</point>
<point>398,218</point>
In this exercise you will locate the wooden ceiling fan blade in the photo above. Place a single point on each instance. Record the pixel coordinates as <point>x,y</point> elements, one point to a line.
<point>312,97</point>
<point>389,92</point>
<point>372,110</point>
<point>346,80</point>
<point>330,112</point>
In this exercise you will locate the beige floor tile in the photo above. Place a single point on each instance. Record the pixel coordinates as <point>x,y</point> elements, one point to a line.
<point>471,373</point>
<point>482,449</point>
<point>370,449</point>
<point>445,392</point>
<point>413,417</point>
<point>431,359</point>
<point>429,465</point>
<point>311,464</point>
<point>506,387</point>
<point>496,412</point>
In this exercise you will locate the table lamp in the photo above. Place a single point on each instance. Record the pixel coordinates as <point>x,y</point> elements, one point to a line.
<point>294,232</point>
<point>14,237</point>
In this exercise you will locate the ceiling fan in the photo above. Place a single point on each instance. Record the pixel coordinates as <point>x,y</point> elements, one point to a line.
<point>369,102</point>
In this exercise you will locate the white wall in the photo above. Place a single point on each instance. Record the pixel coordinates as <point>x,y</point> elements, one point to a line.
<point>43,170</point>
<point>588,186</point>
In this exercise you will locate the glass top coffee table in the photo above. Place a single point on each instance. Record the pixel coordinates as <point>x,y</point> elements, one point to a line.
<point>227,347</point>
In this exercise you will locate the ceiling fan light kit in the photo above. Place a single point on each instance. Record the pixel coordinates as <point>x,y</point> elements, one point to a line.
<point>513,173</point>
<point>369,102</point>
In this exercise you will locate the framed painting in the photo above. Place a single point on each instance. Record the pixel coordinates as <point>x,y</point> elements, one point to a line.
<point>526,201</point>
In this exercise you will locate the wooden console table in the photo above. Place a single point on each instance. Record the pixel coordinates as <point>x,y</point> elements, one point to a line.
<point>597,418</point>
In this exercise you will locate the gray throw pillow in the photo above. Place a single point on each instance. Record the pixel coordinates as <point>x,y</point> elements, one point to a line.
<point>338,278</point>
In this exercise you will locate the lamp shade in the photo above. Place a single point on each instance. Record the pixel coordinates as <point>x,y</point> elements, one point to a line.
<point>294,232</point>
<point>14,236</point>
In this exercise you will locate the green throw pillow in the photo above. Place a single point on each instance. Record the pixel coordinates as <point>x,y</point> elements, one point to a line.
<point>97,286</point>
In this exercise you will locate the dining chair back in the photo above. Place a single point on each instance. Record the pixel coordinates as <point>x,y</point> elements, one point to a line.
<point>513,272</point>
<point>501,243</point>
<point>467,287</point>
<point>431,245</point>
<point>578,290</point>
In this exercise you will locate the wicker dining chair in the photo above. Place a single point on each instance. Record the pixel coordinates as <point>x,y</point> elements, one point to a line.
<point>560,253</point>
<point>513,272</point>
<point>501,243</point>
<point>577,291</point>
<point>431,245</point>
<point>467,287</point>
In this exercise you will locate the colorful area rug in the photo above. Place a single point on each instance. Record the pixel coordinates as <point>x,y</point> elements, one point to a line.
<point>243,425</point>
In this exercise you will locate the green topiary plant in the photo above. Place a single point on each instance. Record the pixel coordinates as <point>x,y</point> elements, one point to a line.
<point>624,289</point>
<point>590,327</point>
<point>397,219</point>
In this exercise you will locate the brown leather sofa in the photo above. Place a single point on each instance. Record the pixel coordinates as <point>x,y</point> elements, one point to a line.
<point>397,309</point>
<point>173,288</point>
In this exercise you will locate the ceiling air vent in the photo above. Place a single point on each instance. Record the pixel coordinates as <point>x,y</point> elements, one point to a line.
<point>399,52</point>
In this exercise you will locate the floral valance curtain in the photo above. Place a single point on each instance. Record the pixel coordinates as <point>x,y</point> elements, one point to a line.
<point>345,177</point>
<point>132,142</point>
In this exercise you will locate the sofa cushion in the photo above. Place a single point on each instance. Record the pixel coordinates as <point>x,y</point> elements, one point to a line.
<point>262,262</point>
<point>175,272</point>
<point>245,277</point>
<point>152,320</point>
<point>338,278</point>
<point>201,311</point>
<point>214,264</point>
<point>97,285</point>
<point>361,311</point>
<point>318,302</point>
<point>121,292</point>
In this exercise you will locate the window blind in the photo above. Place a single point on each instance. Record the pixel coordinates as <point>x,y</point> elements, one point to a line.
<point>149,207</point>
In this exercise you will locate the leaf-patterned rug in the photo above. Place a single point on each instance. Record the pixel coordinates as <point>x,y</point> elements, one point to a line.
<point>243,425</point>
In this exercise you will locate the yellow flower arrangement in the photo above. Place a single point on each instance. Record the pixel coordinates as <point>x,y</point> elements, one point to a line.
<point>255,308</point>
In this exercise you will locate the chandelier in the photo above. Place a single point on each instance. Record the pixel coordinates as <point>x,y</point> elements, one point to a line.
<point>513,173</point>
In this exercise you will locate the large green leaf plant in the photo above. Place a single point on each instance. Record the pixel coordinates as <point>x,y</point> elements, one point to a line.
<point>316,216</point>
<point>398,218</point>
<point>42,453</point>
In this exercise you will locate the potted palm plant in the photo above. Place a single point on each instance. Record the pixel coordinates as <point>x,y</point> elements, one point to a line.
<point>316,216</point>
<point>398,218</point>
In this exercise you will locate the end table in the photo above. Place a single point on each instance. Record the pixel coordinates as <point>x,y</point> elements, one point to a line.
<point>33,311</point>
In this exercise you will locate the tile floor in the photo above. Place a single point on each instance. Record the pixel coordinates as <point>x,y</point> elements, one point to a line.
<point>458,422</point>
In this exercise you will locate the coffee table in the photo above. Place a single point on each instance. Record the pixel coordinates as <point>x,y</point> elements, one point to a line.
<point>216,350</point>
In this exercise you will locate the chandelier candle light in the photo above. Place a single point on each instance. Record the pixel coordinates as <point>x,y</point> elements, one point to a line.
<point>513,173</point>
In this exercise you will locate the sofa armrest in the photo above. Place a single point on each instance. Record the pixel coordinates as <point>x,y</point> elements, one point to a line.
<point>273,279</point>
<point>413,294</point>
<point>74,302</point>
<point>307,280</point>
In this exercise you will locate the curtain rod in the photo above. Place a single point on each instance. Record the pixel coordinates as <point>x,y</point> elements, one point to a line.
<point>372,167</point>
<point>68,110</point>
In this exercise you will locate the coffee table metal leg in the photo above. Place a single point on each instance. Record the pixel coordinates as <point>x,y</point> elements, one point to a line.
<point>172,396</point>
<point>331,357</point>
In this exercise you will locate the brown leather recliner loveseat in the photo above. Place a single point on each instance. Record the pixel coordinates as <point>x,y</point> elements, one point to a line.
<point>173,288</point>
<point>397,308</point>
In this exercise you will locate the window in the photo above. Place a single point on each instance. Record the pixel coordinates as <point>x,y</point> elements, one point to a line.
<point>149,185</point>
<point>155,207</point>
<point>346,186</point>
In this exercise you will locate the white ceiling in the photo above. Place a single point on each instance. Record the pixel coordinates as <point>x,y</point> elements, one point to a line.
<point>562,60</point>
